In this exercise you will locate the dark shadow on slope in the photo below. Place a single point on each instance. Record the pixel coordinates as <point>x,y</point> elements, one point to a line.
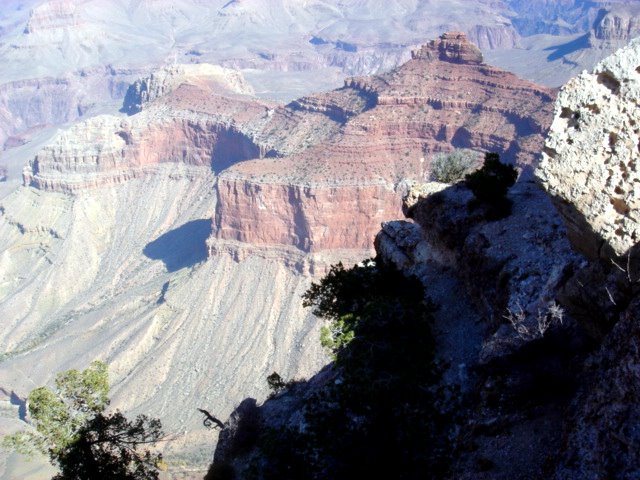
<point>182,247</point>
<point>559,51</point>
<point>21,404</point>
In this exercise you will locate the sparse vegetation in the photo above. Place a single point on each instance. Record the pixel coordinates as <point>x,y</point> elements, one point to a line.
<point>384,409</point>
<point>552,314</point>
<point>491,182</point>
<point>86,443</point>
<point>453,166</point>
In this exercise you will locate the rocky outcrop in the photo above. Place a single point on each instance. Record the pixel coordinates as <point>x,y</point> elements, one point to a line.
<point>452,47</point>
<point>51,15</point>
<point>109,150</point>
<point>27,106</point>
<point>312,217</point>
<point>165,80</point>
<point>590,158</point>
<point>507,266</point>
<point>615,26</point>
<point>590,169</point>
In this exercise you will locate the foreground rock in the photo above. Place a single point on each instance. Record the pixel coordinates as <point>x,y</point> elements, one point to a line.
<point>590,168</point>
<point>590,159</point>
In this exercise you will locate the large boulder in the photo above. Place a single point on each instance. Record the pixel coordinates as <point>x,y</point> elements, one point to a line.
<point>591,156</point>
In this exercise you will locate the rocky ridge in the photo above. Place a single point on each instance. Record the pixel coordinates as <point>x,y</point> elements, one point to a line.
<point>349,148</point>
<point>443,98</point>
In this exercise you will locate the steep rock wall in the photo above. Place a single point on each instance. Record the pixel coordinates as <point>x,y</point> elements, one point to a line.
<point>163,81</point>
<point>311,218</point>
<point>615,26</point>
<point>108,149</point>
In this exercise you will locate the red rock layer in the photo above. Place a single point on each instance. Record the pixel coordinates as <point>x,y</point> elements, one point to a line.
<point>311,218</point>
<point>322,172</point>
<point>444,98</point>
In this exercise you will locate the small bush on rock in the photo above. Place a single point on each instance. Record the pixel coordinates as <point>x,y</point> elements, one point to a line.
<point>453,166</point>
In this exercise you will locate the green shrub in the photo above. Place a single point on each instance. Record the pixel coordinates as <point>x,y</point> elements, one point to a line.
<point>453,166</point>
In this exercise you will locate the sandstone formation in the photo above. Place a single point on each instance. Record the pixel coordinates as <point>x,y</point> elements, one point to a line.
<point>390,126</point>
<point>590,158</point>
<point>348,149</point>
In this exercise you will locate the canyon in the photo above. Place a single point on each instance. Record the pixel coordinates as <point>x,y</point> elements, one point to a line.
<point>535,328</point>
<point>197,194</point>
<point>66,59</point>
<point>174,184</point>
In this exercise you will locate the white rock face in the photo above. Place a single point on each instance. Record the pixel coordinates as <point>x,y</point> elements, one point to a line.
<point>591,160</point>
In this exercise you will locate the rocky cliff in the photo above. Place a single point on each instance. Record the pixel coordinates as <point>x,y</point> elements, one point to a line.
<point>164,81</point>
<point>349,148</point>
<point>388,128</point>
<point>589,168</point>
<point>541,342</point>
<point>29,105</point>
<point>615,26</point>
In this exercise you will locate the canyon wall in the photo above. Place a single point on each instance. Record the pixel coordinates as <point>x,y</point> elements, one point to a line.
<point>311,218</point>
<point>206,197</point>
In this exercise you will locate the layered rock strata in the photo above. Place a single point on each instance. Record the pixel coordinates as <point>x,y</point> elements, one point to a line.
<point>389,126</point>
<point>322,172</point>
<point>165,80</point>
<point>615,26</point>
